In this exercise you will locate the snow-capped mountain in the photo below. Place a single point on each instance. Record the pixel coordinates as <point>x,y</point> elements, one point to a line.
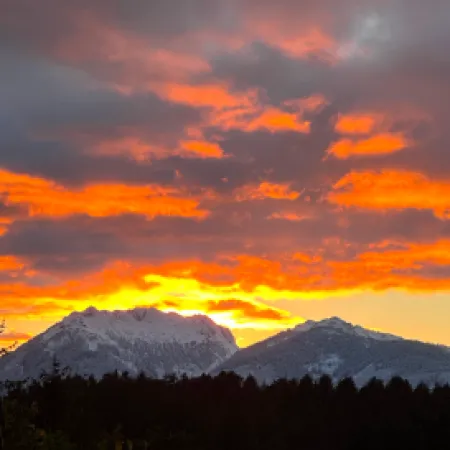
<point>339,349</point>
<point>97,342</point>
<point>145,339</point>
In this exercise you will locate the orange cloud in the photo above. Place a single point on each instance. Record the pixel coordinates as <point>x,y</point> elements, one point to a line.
<point>10,263</point>
<point>187,287</point>
<point>410,255</point>
<point>305,258</point>
<point>21,301</point>
<point>380,144</point>
<point>267,190</point>
<point>252,272</point>
<point>249,116</point>
<point>404,267</point>
<point>240,111</point>
<point>232,312</point>
<point>290,216</point>
<point>140,150</point>
<point>5,222</point>
<point>392,190</point>
<point>357,123</point>
<point>216,96</point>
<point>304,276</point>
<point>46,198</point>
<point>203,149</point>
<point>10,338</point>
<point>247,310</point>
<point>243,277</point>
<point>275,120</point>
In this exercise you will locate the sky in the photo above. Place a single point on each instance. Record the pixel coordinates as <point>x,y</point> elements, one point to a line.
<point>260,162</point>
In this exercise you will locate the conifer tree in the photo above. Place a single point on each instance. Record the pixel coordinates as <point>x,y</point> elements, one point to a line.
<point>2,412</point>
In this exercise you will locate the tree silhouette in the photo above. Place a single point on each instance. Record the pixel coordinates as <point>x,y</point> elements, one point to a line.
<point>65,412</point>
<point>3,351</point>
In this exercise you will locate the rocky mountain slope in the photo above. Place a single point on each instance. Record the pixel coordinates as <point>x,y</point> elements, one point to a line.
<point>340,349</point>
<point>97,342</point>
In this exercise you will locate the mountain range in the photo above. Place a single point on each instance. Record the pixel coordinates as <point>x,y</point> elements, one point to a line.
<point>147,340</point>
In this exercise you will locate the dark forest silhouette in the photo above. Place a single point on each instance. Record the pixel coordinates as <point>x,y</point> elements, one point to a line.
<point>62,412</point>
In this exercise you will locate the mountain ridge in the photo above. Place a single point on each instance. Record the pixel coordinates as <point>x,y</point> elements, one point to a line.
<point>137,340</point>
<point>94,342</point>
<point>339,349</point>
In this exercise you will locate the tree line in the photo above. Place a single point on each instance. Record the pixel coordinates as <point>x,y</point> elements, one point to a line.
<point>65,412</point>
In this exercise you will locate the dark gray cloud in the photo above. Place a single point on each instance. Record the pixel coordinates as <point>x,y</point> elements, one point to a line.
<point>282,77</point>
<point>45,108</point>
<point>67,165</point>
<point>67,246</point>
<point>39,25</point>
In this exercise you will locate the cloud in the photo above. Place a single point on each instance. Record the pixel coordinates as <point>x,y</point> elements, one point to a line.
<point>4,223</point>
<point>231,288</point>
<point>375,145</point>
<point>247,310</point>
<point>356,123</point>
<point>392,190</point>
<point>29,308</point>
<point>275,120</point>
<point>12,337</point>
<point>44,198</point>
<point>291,216</point>
<point>10,263</point>
<point>267,190</point>
<point>203,149</point>
<point>233,312</point>
<point>402,265</point>
<point>235,154</point>
<point>216,96</point>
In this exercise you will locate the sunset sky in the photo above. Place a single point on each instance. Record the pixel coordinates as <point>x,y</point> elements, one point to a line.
<point>263,162</point>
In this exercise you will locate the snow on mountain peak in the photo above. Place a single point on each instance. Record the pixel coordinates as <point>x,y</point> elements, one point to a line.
<point>331,323</point>
<point>336,324</point>
<point>149,324</point>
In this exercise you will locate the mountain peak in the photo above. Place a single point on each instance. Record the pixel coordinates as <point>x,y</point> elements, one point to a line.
<point>150,324</point>
<point>336,324</point>
<point>91,311</point>
<point>339,349</point>
<point>331,322</point>
<point>141,339</point>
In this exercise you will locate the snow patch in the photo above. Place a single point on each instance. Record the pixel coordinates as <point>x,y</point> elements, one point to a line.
<point>335,324</point>
<point>327,365</point>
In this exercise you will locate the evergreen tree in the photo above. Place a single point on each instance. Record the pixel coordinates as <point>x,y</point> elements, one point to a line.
<point>3,351</point>
<point>226,412</point>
